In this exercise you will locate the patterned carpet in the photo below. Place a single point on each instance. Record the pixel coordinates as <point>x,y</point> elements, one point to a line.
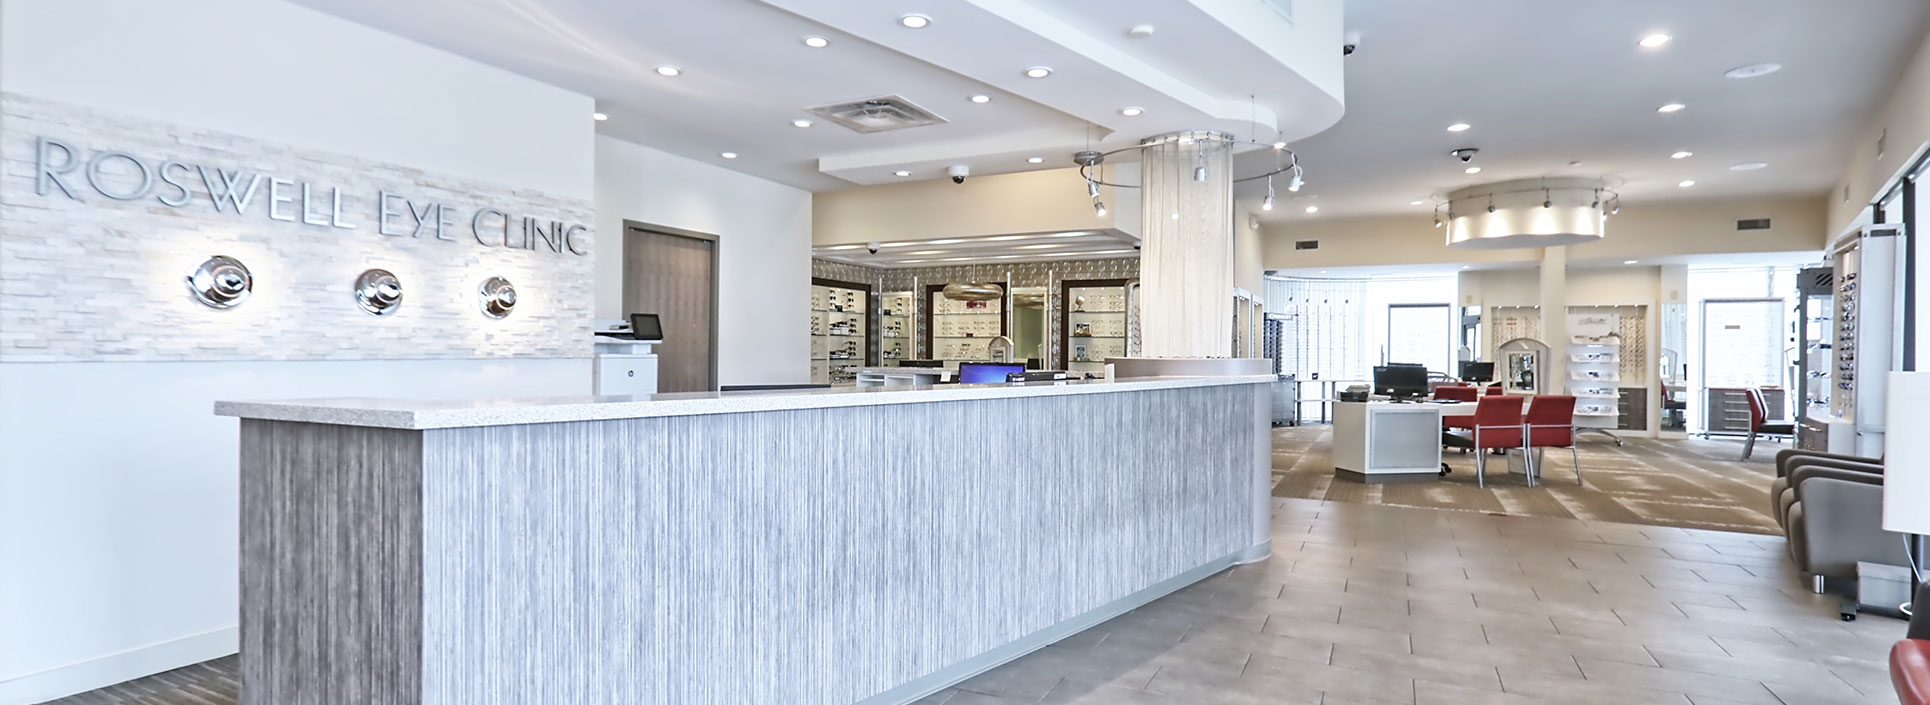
<point>1688,483</point>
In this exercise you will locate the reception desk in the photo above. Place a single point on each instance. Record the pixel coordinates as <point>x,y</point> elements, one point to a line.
<point>1383,441</point>
<point>846,545</point>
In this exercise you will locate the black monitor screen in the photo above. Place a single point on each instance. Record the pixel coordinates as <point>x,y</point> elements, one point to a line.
<point>1477,371</point>
<point>645,326</point>
<point>1400,380</point>
<point>986,372</point>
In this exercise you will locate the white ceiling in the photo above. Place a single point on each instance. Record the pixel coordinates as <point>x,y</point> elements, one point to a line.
<point>997,249</point>
<point>1548,82</point>
<point>746,74</point>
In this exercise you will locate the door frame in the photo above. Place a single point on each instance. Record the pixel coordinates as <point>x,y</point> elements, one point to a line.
<point>716,277</point>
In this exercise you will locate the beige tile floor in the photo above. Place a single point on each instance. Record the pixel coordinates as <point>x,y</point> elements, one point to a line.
<point>1418,606</point>
<point>1380,604</point>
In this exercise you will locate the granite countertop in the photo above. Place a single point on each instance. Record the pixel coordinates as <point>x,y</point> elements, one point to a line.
<point>419,414</point>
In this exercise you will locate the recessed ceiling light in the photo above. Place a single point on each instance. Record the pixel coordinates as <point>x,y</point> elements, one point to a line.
<point>1686,183</point>
<point>801,122</point>
<point>1459,127</point>
<point>599,117</point>
<point>1670,108</point>
<point>981,98</point>
<point>1628,261</point>
<point>1140,30</point>
<point>1655,40</point>
<point>902,172</point>
<point>1038,72</point>
<point>915,21</point>
<point>1035,160</point>
<point>1313,209</point>
<point>816,42</point>
<point>1750,166</point>
<point>1753,70</point>
<point>1279,145</point>
<point>1472,170</point>
<point>728,155</point>
<point>1413,203</point>
<point>667,70</point>
<point>1131,112</point>
<point>1684,154</point>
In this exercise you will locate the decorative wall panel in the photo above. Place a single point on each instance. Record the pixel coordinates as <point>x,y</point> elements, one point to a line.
<point>90,277</point>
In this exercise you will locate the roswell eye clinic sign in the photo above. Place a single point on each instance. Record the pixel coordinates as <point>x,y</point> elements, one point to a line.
<point>61,169</point>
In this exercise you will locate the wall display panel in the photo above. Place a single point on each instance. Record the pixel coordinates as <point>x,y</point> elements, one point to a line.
<point>113,213</point>
<point>840,319</point>
<point>1020,275</point>
<point>1097,319</point>
<point>962,331</point>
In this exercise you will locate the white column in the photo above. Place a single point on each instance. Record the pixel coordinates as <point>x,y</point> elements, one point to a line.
<point>1554,319</point>
<point>1186,249</point>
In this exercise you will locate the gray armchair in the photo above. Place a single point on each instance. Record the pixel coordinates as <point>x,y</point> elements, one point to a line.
<point>1781,496</point>
<point>1787,457</point>
<point>1834,521</point>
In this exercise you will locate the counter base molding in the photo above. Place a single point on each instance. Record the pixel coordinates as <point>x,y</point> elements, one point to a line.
<point>732,557</point>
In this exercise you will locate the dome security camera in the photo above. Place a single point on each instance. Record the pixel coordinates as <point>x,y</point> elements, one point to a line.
<point>958,173</point>
<point>872,247</point>
<point>1465,154</point>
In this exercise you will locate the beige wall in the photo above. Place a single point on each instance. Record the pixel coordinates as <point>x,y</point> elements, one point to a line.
<point>1641,231</point>
<point>1249,270</point>
<point>1906,116</point>
<point>1027,202</point>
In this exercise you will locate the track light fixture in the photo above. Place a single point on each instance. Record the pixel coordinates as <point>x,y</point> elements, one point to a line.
<point>1267,204</point>
<point>1099,208</point>
<point>1092,189</point>
<point>1547,200</point>
<point>1092,162</point>
<point>1295,182</point>
<point>1597,203</point>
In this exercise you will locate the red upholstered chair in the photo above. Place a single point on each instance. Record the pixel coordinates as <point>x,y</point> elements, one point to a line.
<point>1759,423</point>
<point>1460,393</point>
<point>1910,671</point>
<point>1551,424</point>
<point>1494,389</point>
<point>1497,426</point>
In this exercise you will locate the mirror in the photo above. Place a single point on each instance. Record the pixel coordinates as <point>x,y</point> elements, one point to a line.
<point>1672,370</point>
<point>1028,323</point>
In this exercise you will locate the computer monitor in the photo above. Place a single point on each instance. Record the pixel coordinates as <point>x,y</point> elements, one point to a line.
<point>1477,371</point>
<point>646,327</point>
<point>1400,381</point>
<point>986,372</point>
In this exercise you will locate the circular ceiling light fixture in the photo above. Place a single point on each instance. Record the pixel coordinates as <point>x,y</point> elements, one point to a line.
<point>1313,209</point>
<point>915,21</point>
<point>1459,127</point>
<point>1471,170</point>
<point>816,42</point>
<point>1750,166</point>
<point>669,71</point>
<point>801,122</point>
<point>981,98</point>
<point>1525,213</point>
<point>1671,108</point>
<point>1132,112</point>
<point>599,117</point>
<point>1684,154</point>
<point>1141,31</point>
<point>1753,70</point>
<point>1035,160</point>
<point>1686,183</point>
<point>728,155</point>
<point>1038,72</point>
<point>1654,40</point>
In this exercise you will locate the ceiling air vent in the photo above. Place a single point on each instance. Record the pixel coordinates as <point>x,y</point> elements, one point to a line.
<point>1753,224</point>
<point>1306,244</point>
<point>878,114</point>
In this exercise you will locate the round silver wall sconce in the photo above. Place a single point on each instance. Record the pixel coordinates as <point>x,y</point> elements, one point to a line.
<point>378,292</point>
<point>221,282</point>
<point>498,297</point>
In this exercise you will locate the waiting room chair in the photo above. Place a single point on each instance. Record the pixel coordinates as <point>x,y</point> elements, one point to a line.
<point>1551,424</point>
<point>1833,518</point>
<point>1910,658</point>
<point>1497,426</point>
<point>1759,423</point>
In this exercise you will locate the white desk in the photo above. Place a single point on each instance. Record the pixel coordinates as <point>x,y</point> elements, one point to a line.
<point>1384,441</point>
